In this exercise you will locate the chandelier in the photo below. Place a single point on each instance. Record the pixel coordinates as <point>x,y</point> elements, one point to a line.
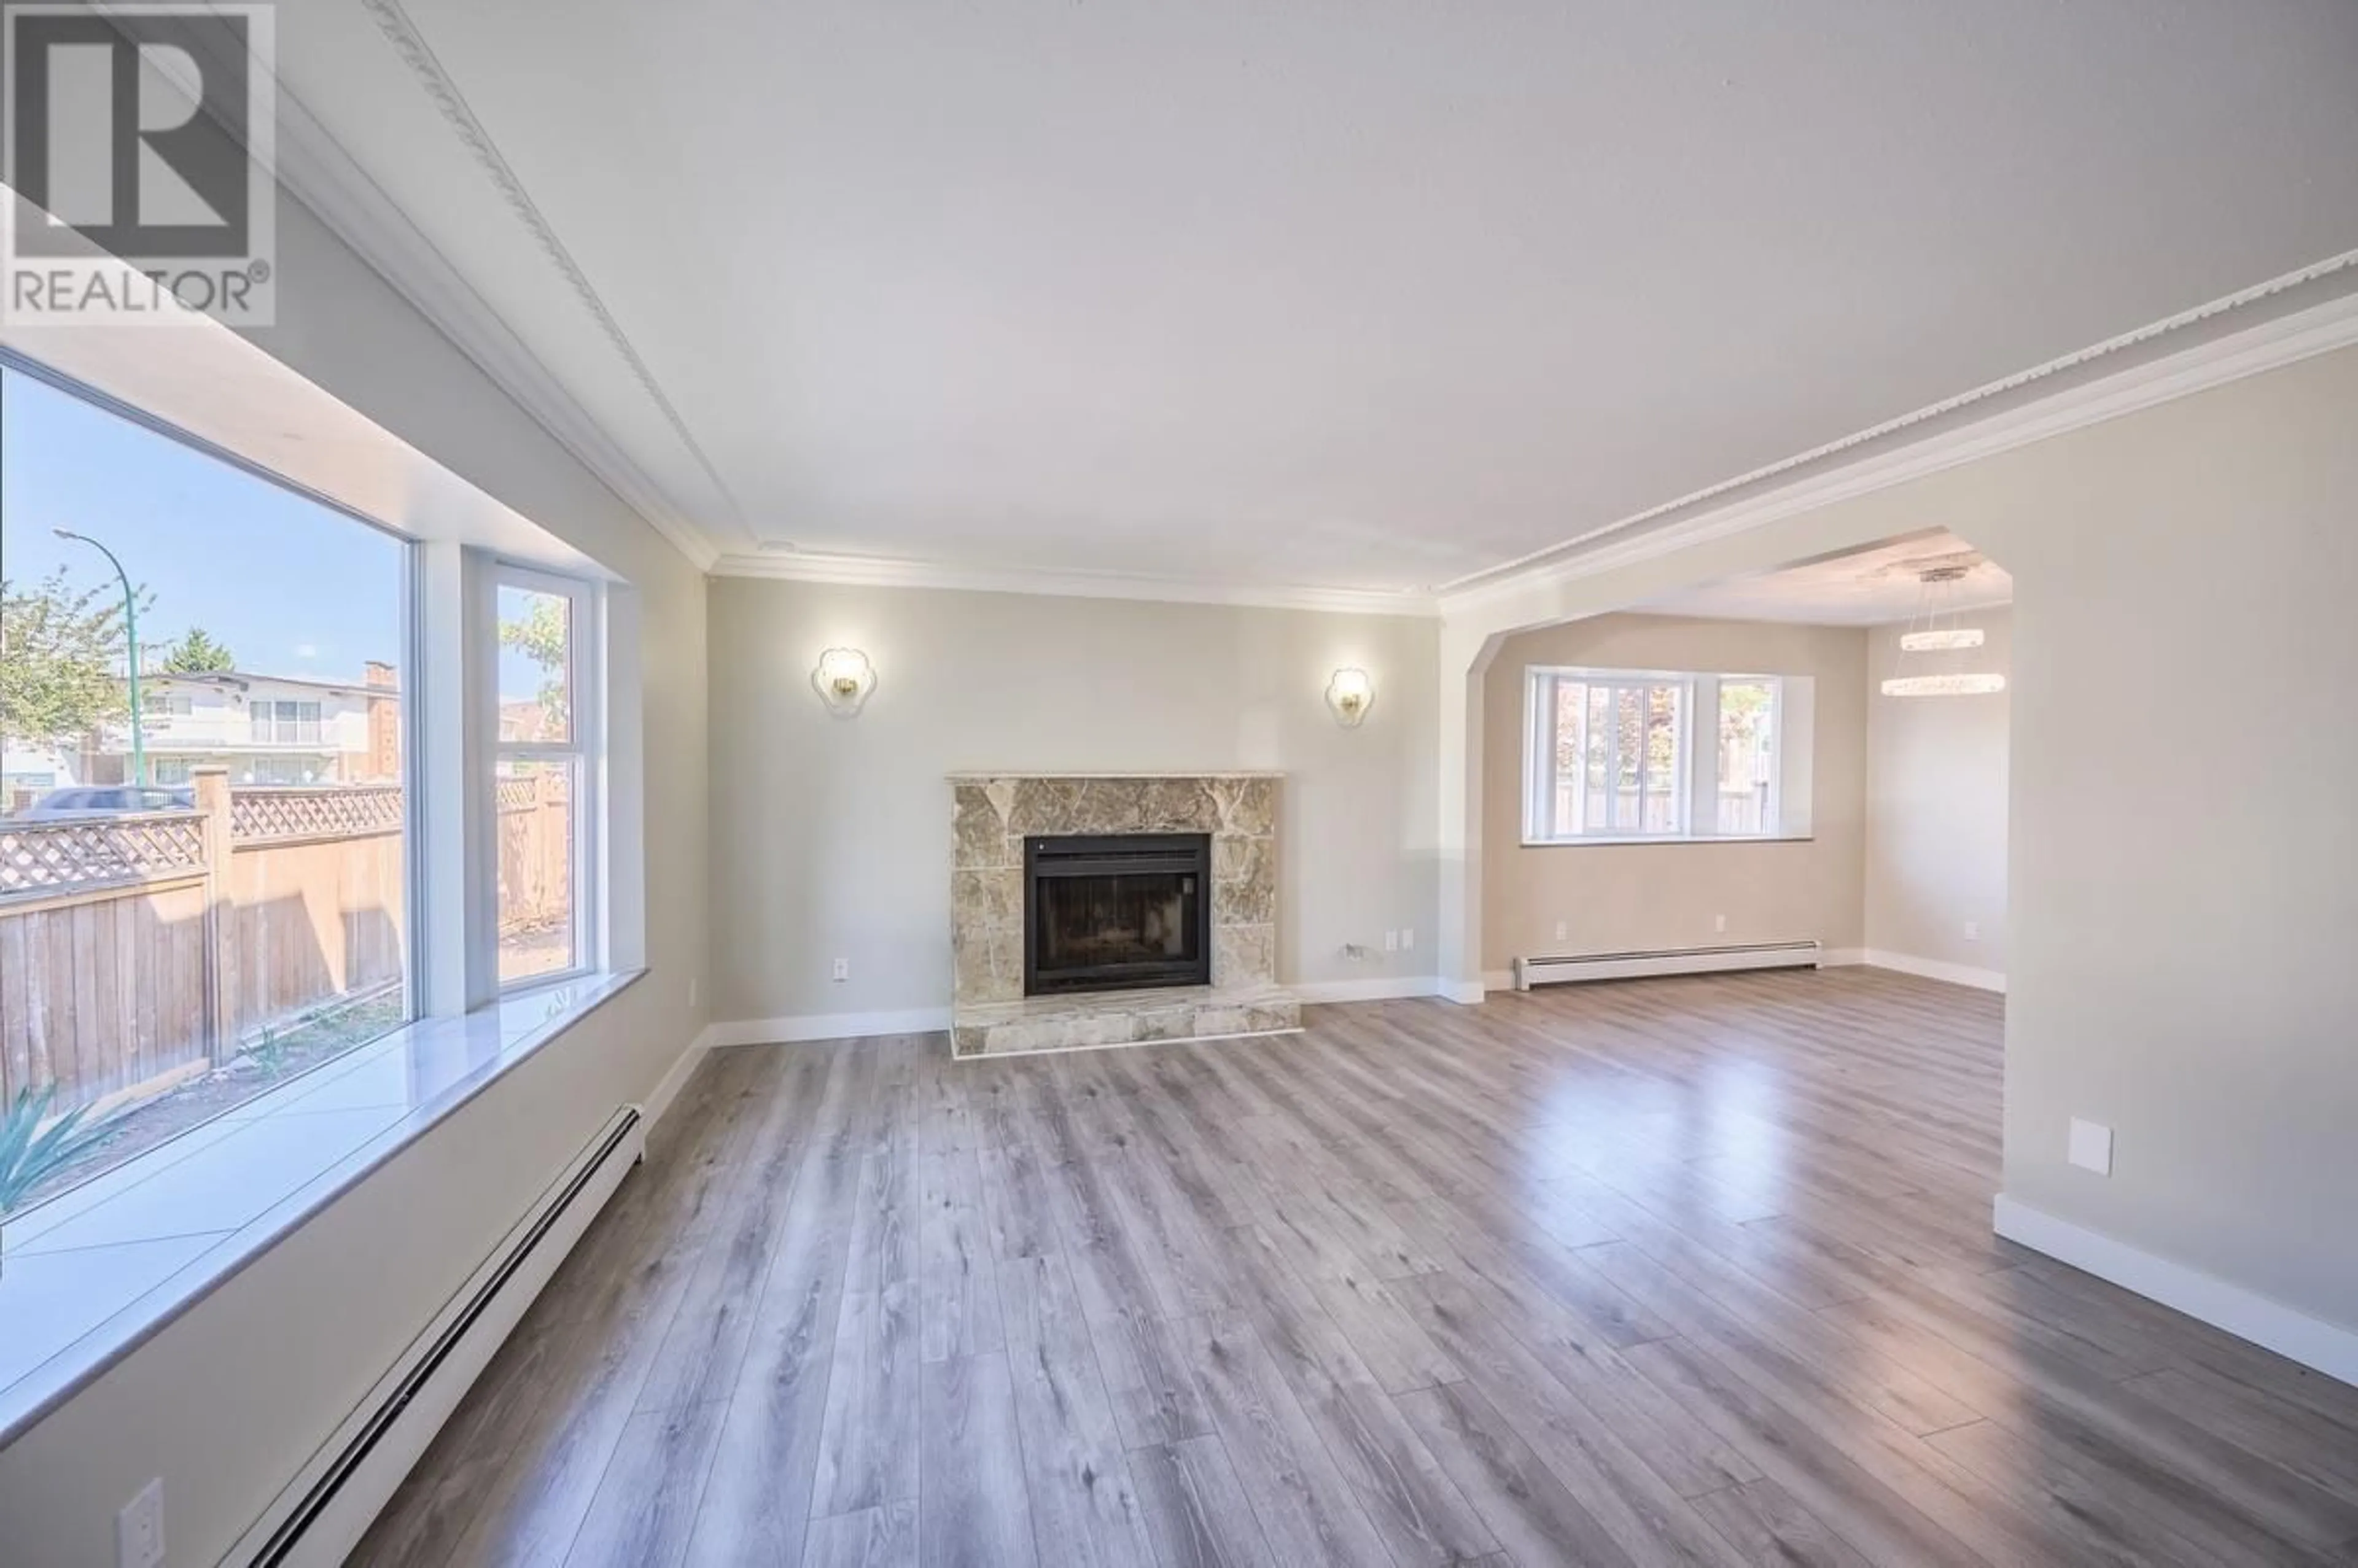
<point>1936,603</point>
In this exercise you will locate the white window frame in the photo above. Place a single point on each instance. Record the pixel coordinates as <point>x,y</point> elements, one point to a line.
<point>1697,771</point>
<point>1772,809</point>
<point>282,730</point>
<point>584,746</point>
<point>1541,687</point>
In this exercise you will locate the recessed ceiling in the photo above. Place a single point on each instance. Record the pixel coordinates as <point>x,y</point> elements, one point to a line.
<point>1376,296</point>
<point>1864,588</point>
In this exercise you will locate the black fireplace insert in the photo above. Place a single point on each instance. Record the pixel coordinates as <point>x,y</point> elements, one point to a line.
<point>1117,912</point>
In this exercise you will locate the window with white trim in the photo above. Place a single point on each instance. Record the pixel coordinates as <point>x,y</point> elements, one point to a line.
<point>284,723</point>
<point>206,942</point>
<point>446,684</point>
<point>544,783</point>
<point>1641,755</point>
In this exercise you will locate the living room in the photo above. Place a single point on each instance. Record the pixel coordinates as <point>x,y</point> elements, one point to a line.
<point>1094,785</point>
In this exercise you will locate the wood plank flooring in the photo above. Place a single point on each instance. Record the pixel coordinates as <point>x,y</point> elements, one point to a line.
<point>1668,1271</point>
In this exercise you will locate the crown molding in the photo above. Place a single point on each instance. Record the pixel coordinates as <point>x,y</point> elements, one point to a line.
<point>317,170</point>
<point>883,571</point>
<point>323,175</point>
<point>1819,481</point>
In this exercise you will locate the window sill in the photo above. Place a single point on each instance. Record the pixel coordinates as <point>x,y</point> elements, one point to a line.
<point>87,1277</point>
<point>1662,838</point>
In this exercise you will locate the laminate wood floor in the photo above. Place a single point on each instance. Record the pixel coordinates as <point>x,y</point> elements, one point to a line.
<point>1666,1271</point>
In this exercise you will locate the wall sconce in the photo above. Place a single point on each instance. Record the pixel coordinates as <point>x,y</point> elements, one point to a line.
<point>1350,694</point>
<point>843,680</point>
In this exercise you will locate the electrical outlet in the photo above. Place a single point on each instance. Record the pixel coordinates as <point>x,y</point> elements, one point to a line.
<point>1392,941</point>
<point>843,968</point>
<point>139,1529</point>
<point>2091,1147</point>
<point>692,991</point>
<point>1408,938</point>
<point>1563,930</point>
<point>1719,923</point>
<point>1972,930</point>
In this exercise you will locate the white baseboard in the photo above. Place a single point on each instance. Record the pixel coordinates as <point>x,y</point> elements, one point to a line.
<point>1934,969</point>
<point>2323,1347</point>
<point>677,1078</point>
<point>1841,957</point>
<point>830,1026</point>
<point>1383,987</point>
<point>1469,993</point>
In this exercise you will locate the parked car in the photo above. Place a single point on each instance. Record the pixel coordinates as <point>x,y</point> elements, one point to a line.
<point>106,800</point>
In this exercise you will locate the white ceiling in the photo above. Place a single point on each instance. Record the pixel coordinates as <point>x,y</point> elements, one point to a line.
<point>1375,295</point>
<point>1864,588</point>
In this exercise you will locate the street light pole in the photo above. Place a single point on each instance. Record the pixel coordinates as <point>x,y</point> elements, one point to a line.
<point>131,640</point>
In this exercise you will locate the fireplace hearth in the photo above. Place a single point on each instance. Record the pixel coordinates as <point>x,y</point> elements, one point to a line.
<point>1117,912</point>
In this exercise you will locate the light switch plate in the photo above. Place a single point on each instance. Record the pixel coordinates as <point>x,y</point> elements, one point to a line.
<point>2092,1147</point>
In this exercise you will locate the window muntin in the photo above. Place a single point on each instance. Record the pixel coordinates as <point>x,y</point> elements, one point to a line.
<point>543,779</point>
<point>1615,755</point>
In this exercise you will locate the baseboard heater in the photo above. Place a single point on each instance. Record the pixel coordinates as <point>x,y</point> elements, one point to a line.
<point>325,1510</point>
<point>1549,971</point>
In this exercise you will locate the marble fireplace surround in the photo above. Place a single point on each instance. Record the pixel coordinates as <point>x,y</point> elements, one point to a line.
<point>993,813</point>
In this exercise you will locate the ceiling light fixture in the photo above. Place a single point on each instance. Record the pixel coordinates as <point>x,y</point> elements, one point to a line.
<point>1936,597</point>
<point>1941,642</point>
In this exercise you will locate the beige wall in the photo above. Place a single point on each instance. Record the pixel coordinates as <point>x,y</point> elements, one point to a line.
<point>1615,897</point>
<point>2179,927</point>
<point>2182,924</point>
<point>833,835</point>
<point>1936,808</point>
<point>227,1402</point>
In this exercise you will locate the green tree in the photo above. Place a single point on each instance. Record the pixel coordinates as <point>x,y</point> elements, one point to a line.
<point>196,653</point>
<point>544,636</point>
<point>59,654</point>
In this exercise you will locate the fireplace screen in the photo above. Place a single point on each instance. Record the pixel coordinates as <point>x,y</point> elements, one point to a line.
<point>1118,912</point>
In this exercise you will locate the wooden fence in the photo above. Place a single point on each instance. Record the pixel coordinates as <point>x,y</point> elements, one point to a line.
<point>535,814</point>
<point>138,950</point>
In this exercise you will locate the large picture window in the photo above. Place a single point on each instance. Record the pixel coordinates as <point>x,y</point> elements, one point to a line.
<point>1637,755</point>
<point>278,782</point>
<point>204,865</point>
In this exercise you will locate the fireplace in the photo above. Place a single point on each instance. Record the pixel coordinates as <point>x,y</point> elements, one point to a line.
<point>1117,912</point>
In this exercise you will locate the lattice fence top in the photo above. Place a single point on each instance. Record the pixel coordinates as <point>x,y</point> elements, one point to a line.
<point>533,789</point>
<point>260,814</point>
<point>61,856</point>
